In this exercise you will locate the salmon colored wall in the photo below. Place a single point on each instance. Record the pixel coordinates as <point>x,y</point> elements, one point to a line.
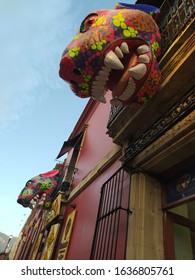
<point>96,142</point>
<point>87,207</point>
<point>96,145</point>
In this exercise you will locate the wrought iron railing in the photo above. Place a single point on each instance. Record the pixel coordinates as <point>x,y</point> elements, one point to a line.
<point>182,108</point>
<point>174,17</point>
<point>110,235</point>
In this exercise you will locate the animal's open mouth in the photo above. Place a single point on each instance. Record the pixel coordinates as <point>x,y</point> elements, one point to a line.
<point>37,200</point>
<point>124,67</point>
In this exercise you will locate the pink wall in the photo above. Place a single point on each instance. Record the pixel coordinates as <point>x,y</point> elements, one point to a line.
<point>87,207</point>
<point>96,143</point>
<point>96,146</point>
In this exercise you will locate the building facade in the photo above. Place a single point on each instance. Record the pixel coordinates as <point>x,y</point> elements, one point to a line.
<point>128,184</point>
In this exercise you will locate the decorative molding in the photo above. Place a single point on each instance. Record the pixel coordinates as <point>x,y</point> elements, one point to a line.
<point>114,154</point>
<point>181,109</point>
<point>179,127</point>
<point>178,53</point>
<point>167,145</point>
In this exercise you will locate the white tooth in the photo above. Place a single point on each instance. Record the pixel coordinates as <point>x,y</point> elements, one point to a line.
<point>129,90</point>
<point>98,78</point>
<point>143,58</point>
<point>98,86</point>
<point>30,206</point>
<point>112,61</point>
<point>115,102</point>
<point>118,52</point>
<point>124,48</point>
<point>96,83</point>
<point>99,98</point>
<point>103,74</point>
<point>142,49</point>
<point>97,92</point>
<point>33,202</point>
<point>138,71</point>
<point>101,79</point>
<point>106,70</point>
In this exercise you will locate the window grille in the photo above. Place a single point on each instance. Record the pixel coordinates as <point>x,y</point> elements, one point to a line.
<point>110,235</point>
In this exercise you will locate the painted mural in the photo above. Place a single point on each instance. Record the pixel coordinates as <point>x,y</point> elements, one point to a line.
<point>54,211</point>
<point>115,50</point>
<point>181,186</point>
<point>66,236</point>
<point>50,242</point>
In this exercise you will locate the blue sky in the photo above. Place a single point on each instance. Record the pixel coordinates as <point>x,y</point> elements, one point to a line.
<point>38,111</point>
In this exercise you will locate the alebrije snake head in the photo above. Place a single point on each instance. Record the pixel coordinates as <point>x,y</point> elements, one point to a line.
<point>115,50</point>
<point>39,189</point>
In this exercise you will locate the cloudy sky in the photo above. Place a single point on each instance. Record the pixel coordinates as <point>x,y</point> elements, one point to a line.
<point>37,109</point>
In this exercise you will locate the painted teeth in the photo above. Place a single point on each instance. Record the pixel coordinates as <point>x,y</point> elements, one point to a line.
<point>98,86</point>
<point>129,90</point>
<point>99,98</point>
<point>98,91</point>
<point>111,60</point>
<point>43,198</point>
<point>143,59</point>
<point>118,52</point>
<point>33,202</point>
<point>138,71</point>
<point>142,49</point>
<point>124,48</point>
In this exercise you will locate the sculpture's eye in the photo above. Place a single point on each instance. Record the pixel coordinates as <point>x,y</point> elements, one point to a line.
<point>29,183</point>
<point>88,22</point>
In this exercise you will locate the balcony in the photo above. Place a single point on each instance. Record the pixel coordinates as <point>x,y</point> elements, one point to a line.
<point>68,178</point>
<point>175,22</point>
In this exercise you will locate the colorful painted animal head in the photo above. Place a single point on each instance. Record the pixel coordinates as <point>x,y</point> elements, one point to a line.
<point>115,50</point>
<point>40,189</point>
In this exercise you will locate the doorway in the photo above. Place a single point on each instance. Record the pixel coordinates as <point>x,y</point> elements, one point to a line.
<point>179,232</point>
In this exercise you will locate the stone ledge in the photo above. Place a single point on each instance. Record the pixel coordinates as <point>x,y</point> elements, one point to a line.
<point>106,162</point>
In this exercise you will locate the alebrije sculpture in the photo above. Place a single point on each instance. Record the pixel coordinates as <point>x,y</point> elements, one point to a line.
<point>115,50</point>
<point>40,189</point>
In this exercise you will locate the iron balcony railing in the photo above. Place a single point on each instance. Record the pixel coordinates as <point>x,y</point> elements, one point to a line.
<point>175,16</point>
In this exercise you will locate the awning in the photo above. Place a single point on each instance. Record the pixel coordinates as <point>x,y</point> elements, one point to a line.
<point>69,144</point>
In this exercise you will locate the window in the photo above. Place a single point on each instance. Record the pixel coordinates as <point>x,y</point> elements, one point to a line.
<point>109,241</point>
<point>74,143</point>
